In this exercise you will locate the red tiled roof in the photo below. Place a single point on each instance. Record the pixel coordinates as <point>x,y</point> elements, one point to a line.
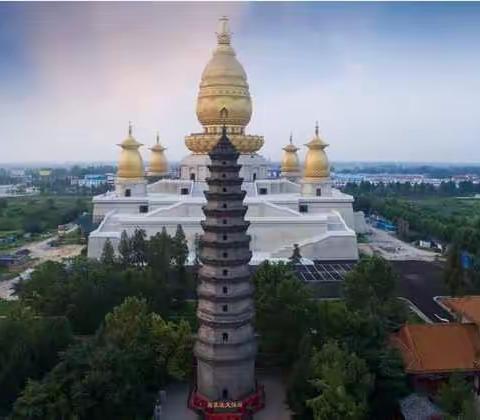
<point>438,348</point>
<point>468,307</point>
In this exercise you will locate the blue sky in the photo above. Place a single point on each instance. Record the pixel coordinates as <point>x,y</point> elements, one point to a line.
<point>386,81</point>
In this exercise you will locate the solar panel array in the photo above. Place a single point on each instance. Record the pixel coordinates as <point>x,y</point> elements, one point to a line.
<point>322,271</point>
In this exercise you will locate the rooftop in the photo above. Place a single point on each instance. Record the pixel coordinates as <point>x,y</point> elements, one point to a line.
<point>467,307</point>
<point>438,348</point>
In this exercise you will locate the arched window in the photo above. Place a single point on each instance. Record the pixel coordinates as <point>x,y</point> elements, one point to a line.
<point>224,189</point>
<point>224,221</point>
<point>225,394</point>
<point>225,255</point>
<point>225,272</point>
<point>225,337</point>
<point>192,177</point>
<point>128,192</point>
<point>224,205</point>
<point>224,175</point>
<point>225,308</point>
<point>225,237</point>
<point>225,290</point>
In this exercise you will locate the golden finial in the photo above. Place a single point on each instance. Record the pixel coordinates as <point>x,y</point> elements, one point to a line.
<point>130,129</point>
<point>223,34</point>
<point>316,128</point>
<point>158,138</point>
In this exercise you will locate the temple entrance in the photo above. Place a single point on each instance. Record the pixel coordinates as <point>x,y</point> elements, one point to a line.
<point>192,177</point>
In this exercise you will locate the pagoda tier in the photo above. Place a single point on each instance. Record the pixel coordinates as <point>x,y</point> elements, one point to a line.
<point>225,347</point>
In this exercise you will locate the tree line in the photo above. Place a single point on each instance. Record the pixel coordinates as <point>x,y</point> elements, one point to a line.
<point>408,189</point>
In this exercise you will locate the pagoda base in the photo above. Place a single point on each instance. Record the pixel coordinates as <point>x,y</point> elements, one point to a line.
<point>243,409</point>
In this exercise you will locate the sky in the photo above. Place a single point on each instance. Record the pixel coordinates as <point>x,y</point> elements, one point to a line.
<point>385,81</point>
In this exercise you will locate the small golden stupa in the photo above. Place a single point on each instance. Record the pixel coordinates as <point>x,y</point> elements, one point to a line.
<point>158,165</point>
<point>223,86</point>
<point>130,164</point>
<point>290,166</point>
<point>317,166</point>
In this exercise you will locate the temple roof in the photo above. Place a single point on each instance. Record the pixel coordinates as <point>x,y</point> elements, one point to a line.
<point>438,348</point>
<point>468,307</point>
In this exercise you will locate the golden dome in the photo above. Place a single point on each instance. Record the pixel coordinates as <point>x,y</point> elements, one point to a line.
<point>290,162</point>
<point>158,165</point>
<point>130,164</point>
<point>224,85</point>
<point>224,99</point>
<point>316,160</point>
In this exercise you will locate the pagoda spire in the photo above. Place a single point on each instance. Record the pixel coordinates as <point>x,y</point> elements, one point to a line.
<point>223,35</point>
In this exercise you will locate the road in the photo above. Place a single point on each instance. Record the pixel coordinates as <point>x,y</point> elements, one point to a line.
<point>393,249</point>
<point>39,253</point>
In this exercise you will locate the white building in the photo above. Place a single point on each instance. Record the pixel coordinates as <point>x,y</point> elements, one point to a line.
<point>299,208</point>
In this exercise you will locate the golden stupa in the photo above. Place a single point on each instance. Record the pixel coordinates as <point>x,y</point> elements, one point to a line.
<point>224,87</point>
<point>290,163</point>
<point>158,165</point>
<point>316,160</point>
<point>130,164</point>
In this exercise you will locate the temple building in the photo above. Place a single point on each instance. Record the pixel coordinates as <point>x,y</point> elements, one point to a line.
<point>301,207</point>
<point>225,346</point>
<point>433,352</point>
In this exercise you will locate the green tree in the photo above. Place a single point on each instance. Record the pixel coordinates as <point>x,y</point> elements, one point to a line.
<point>159,252</point>
<point>139,247</point>
<point>117,373</point>
<point>454,278</point>
<point>108,254</point>
<point>299,389</point>
<point>455,396</point>
<point>342,382</point>
<point>179,248</point>
<point>370,288</point>
<point>29,348</point>
<point>125,249</point>
<point>284,309</point>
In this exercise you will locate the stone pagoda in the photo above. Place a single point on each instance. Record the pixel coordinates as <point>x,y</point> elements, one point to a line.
<point>225,346</point>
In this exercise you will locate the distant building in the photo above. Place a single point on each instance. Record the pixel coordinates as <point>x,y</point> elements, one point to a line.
<point>44,173</point>
<point>93,180</point>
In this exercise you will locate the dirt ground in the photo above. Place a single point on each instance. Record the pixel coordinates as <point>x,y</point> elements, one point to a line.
<point>393,249</point>
<point>39,253</point>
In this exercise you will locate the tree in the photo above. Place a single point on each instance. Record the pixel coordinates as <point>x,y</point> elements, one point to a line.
<point>390,384</point>
<point>369,288</point>
<point>159,252</point>
<point>117,373</point>
<point>29,348</point>
<point>125,249</point>
<point>139,247</point>
<point>108,253</point>
<point>455,396</point>
<point>284,309</point>
<point>179,248</point>
<point>454,278</point>
<point>342,382</point>
<point>299,389</point>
